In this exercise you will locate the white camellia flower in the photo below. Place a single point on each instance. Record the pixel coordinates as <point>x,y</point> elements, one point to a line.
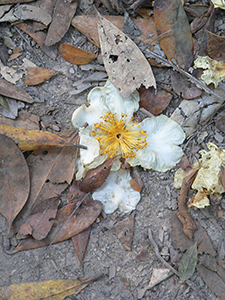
<point>111,131</point>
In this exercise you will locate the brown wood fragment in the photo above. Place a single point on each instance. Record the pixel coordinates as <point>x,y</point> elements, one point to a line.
<point>183,214</point>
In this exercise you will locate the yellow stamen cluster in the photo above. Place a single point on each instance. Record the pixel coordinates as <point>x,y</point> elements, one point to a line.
<point>117,136</point>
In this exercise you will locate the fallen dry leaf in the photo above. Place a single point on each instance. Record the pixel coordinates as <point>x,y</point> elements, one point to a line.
<point>142,255</point>
<point>37,75</point>
<point>15,179</point>
<point>63,229</point>
<point>188,263</point>
<point>9,90</point>
<point>88,25</point>
<point>213,275</point>
<point>26,12</point>
<point>153,101</point>
<point>41,219</point>
<point>24,120</point>
<point>215,46</point>
<point>49,289</point>
<point>75,55</point>
<point>13,110</point>
<point>158,275</point>
<point>183,214</point>
<point>180,240</point>
<point>183,87</point>
<point>220,124</point>
<point>125,64</point>
<point>16,53</point>
<point>40,38</point>
<point>124,230</point>
<point>80,242</point>
<point>135,185</point>
<point>96,177</point>
<point>50,173</point>
<point>171,20</point>
<point>62,16</point>
<point>29,140</point>
<point>11,74</point>
<point>4,103</point>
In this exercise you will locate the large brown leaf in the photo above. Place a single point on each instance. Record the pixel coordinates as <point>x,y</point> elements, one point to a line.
<point>80,242</point>
<point>61,19</point>
<point>50,173</point>
<point>63,229</point>
<point>215,46</point>
<point>48,289</point>
<point>24,120</point>
<point>14,179</point>
<point>125,64</point>
<point>9,90</point>
<point>29,140</point>
<point>171,20</point>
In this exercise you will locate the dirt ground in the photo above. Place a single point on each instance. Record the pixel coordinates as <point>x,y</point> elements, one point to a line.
<point>124,277</point>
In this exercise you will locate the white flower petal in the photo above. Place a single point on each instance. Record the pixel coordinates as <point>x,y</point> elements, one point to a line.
<point>116,192</point>
<point>163,137</point>
<point>101,101</point>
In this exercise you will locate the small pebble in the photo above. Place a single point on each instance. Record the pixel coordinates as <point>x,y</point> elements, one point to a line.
<point>218,137</point>
<point>71,70</point>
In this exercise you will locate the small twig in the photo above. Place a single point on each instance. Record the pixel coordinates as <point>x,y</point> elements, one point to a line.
<point>31,49</point>
<point>188,282</point>
<point>199,83</point>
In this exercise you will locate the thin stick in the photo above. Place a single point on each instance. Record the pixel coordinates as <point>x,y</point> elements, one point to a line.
<point>146,112</point>
<point>188,282</point>
<point>199,83</point>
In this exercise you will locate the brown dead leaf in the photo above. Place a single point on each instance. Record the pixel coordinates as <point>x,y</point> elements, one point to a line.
<point>15,179</point>
<point>50,173</point>
<point>16,53</point>
<point>76,55</point>
<point>213,275</point>
<point>37,75</point>
<point>40,38</point>
<point>220,124</point>
<point>135,185</point>
<point>124,230</point>
<point>184,164</point>
<point>142,255</point>
<point>80,242</point>
<point>63,229</point>
<point>9,90</point>
<point>88,25</point>
<point>125,64</point>
<point>24,120</point>
<point>41,219</point>
<point>96,177</point>
<point>49,289</point>
<point>62,16</point>
<point>215,46</point>
<point>154,101</point>
<point>183,87</point>
<point>171,20</point>
<point>29,140</point>
<point>181,241</point>
<point>183,214</point>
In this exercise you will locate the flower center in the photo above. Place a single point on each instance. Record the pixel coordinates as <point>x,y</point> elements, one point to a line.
<point>119,137</point>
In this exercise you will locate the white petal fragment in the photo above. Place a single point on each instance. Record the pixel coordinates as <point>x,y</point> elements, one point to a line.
<point>163,137</point>
<point>101,101</point>
<point>116,192</point>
